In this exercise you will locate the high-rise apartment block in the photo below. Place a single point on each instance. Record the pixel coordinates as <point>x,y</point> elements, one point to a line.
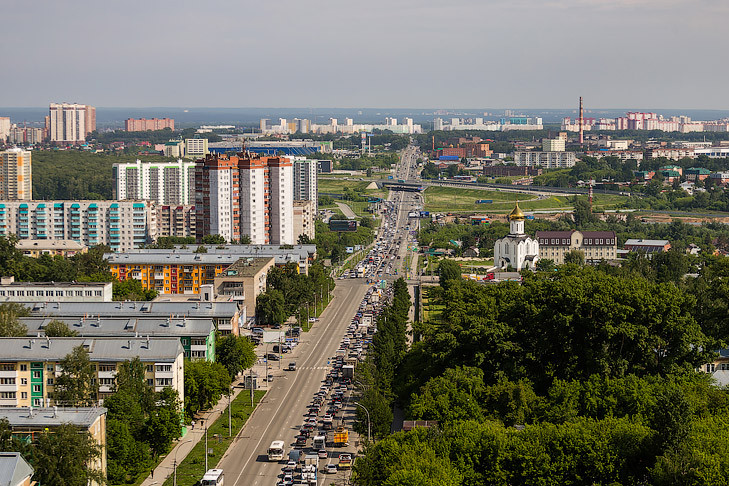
<point>143,124</point>
<point>25,135</point>
<point>545,160</point>
<point>16,180</point>
<point>245,195</point>
<point>70,122</point>
<point>196,147</point>
<point>4,128</point>
<point>304,216</point>
<point>305,172</point>
<point>553,145</point>
<point>164,183</point>
<point>122,225</point>
<point>176,221</point>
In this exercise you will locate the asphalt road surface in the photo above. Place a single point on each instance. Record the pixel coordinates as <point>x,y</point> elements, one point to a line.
<point>280,415</point>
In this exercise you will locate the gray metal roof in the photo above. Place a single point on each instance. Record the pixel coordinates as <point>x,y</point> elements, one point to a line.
<point>229,253</point>
<point>14,469</point>
<point>134,309</point>
<point>52,416</point>
<point>158,349</point>
<point>131,326</point>
<point>640,242</point>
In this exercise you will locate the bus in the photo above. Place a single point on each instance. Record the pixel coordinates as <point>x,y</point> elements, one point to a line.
<point>276,451</point>
<point>214,477</point>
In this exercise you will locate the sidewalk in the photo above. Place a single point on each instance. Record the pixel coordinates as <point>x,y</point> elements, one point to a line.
<point>185,444</point>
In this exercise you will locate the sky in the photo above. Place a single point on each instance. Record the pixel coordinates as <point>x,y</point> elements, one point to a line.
<point>374,54</point>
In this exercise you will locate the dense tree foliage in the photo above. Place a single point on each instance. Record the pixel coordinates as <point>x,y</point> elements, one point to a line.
<point>10,325</point>
<point>57,328</point>
<point>331,244</point>
<point>236,353</point>
<point>205,383</point>
<point>76,385</point>
<point>299,290</point>
<point>140,423</point>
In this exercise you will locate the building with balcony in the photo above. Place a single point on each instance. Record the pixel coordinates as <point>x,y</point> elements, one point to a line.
<point>164,183</point>
<point>123,225</point>
<point>196,147</point>
<point>595,245</point>
<point>70,122</point>
<point>226,316</point>
<point>304,216</point>
<point>196,334</point>
<point>144,124</point>
<point>177,221</point>
<point>12,291</point>
<point>16,179</point>
<point>244,280</point>
<point>27,423</point>
<point>29,366</point>
<point>545,160</point>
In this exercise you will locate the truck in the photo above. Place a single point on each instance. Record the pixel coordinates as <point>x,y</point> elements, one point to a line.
<point>310,469</point>
<point>361,272</point>
<point>347,372</point>
<point>320,442</point>
<point>366,320</point>
<point>345,461</point>
<point>341,437</point>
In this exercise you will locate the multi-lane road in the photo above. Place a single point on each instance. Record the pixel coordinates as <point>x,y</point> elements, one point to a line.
<point>281,413</point>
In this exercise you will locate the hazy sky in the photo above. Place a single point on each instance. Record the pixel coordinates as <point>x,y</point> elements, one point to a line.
<point>376,53</point>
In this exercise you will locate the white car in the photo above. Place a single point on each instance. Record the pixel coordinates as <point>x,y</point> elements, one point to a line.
<point>331,469</point>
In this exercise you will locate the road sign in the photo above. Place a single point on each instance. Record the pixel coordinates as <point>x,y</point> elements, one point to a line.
<point>342,225</point>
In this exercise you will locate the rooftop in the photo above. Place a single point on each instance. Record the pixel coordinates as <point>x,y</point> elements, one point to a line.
<point>641,242</point>
<point>134,309</point>
<point>247,267</point>
<point>14,469</point>
<point>100,349</point>
<point>38,417</point>
<point>49,245</point>
<point>228,254</point>
<point>10,281</point>
<point>121,326</point>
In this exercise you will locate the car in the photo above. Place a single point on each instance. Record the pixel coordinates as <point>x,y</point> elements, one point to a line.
<point>301,440</point>
<point>288,479</point>
<point>323,454</point>
<point>290,466</point>
<point>272,357</point>
<point>331,469</point>
<point>292,366</point>
<point>257,330</point>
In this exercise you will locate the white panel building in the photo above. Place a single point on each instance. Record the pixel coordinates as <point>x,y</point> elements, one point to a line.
<point>305,186</point>
<point>164,183</point>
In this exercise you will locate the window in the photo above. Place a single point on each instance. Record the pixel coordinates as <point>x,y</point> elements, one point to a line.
<point>163,382</point>
<point>163,368</point>
<point>107,367</point>
<point>37,402</point>
<point>37,388</point>
<point>7,395</point>
<point>150,382</point>
<point>49,368</point>
<point>106,381</point>
<point>7,367</point>
<point>49,381</point>
<point>24,381</point>
<point>24,395</point>
<point>7,381</point>
<point>150,368</point>
<point>36,374</point>
<point>23,367</point>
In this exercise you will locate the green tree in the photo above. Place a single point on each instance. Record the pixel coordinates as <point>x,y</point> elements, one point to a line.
<point>10,325</point>
<point>76,386</point>
<point>236,353</point>
<point>201,249</point>
<point>131,289</point>
<point>545,265</point>
<point>57,328</point>
<point>575,257</point>
<point>245,239</point>
<point>213,240</point>
<point>63,457</point>
<point>449,272</point>
<point>270,308</point>
<point>205,384</point>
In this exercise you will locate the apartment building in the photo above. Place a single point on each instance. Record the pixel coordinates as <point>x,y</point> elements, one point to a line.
<point>28,422</point>
<point>25,135</point>
<point>244,281</point>
<point>15,470</point>
<point>674,153</point>
<point>305,185</point>
<point>553,144</point>
<point>5,128</point>
<point>545,160</point>
<point>30,365</point>
<point>304,216</point>
<point>64,248</point>
<point>12,291</point>
<point>143,124</point>
<point>245,195</point>
<point>70,122</point>
<point>596,245</point>
<point>174,148</point>
<point>122,225</point>
<point>225,316</point>
<point>196,334</point>
<point>196,147</point>
<point>176,221</point>
<point>620,154</point>
<point>163,183</point>
<point>16,179</point>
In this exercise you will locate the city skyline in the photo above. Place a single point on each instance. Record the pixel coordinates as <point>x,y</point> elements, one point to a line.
<point>402,54</point>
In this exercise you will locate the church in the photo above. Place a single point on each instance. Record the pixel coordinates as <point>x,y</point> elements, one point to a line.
<point>516,250</point>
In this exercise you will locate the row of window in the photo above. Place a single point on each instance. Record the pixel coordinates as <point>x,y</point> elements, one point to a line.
<point>51,293</point>
<point>101,367</point>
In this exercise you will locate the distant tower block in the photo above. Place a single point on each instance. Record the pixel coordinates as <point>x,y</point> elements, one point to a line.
<point>582,121</point>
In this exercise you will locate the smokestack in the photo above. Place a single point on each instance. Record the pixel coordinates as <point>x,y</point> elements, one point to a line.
<point>582,121</point>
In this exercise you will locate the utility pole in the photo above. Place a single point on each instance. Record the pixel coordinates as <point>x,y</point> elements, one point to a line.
<point>206,448</point>
<point>230,422</point>
<point>251,383</point>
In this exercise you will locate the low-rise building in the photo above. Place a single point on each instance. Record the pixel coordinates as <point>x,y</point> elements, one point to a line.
<point>64,248</point>
<point>719,368</point>
<point>545,160</point>
<point>30,366</point>
<point>720,178</point>
<point>15,470</point>
<point>553,145</point>
<point>28,422</point>
<point>596,245</point>
<point>304,215</point>
<point>244,281</point>
<point>196,334</point>
<point>12,291</point>
<point>644,175</point>
<point>501,170</point>
<point>647,246</point>
<point>670,175</point>
<point>226,316</point>
<point>636,155</point>
<point>674,153</point>
<point>694,174</point>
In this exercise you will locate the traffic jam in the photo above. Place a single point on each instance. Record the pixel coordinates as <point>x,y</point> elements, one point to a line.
<point>317,448</point>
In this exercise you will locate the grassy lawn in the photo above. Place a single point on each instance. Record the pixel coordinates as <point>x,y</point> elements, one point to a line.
<point>431,311</point>
<point>192,468</point>
<point>331,186</point>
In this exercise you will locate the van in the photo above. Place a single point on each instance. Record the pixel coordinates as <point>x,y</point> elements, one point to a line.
<point>257,330</point>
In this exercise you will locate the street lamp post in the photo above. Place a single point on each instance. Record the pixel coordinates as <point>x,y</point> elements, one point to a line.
<point>369,425</point>
<point>174,464</point>
<point>230,422</point>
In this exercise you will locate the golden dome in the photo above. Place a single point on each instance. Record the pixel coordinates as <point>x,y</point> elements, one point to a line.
<point>516,214</point>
